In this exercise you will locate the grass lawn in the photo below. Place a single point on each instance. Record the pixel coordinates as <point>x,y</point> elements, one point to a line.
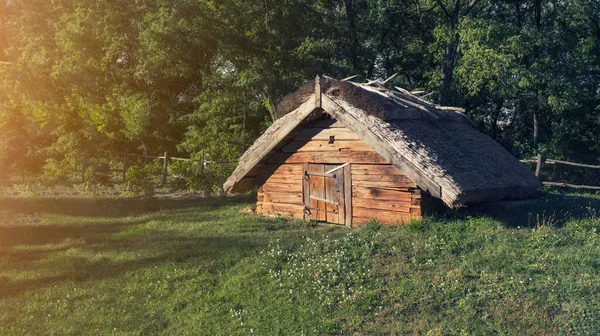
<point>87,266</point>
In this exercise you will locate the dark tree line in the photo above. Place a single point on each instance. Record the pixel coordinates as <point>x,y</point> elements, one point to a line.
<point>149,76</point>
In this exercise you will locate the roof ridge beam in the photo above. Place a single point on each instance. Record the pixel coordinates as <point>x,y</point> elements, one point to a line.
<point>318,92</point>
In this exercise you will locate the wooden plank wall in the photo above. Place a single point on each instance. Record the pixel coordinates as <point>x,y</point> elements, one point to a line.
<point>383,193</point>
<point>379,190</point>
<point>280,190</point>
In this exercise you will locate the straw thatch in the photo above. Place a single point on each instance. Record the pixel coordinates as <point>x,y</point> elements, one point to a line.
<point>437,147</point>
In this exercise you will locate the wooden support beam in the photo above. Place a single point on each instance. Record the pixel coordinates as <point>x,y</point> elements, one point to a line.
<point>337,168</point>
<point>324,200</point>
<point>389,79</point>
<point>349,78</point>
<point>313,173</point>
<point>538,166</point>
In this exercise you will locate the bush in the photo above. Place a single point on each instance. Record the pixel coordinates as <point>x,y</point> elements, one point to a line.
<point>138,181</point>
<point>90,179</point>
<point>192,176</point>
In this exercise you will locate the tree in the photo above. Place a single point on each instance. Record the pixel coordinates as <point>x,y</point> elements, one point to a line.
<point>453,12</point>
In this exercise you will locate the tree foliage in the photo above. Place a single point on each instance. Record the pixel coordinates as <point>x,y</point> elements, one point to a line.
<point>193,76</point>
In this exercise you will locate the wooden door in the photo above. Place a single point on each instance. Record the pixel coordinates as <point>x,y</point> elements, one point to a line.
<point>325,193</point>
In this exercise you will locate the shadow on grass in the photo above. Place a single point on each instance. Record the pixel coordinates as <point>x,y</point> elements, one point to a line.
<point>43,234</point>
<point>111,207</point>
<point>544,209</point>
<point>22,221</point>
<point>210,254</point>
<point>90,249</point>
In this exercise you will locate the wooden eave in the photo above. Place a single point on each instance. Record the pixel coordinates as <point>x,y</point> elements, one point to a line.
<point>235,183</point>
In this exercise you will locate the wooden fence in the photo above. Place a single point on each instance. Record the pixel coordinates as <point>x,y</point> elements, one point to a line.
<point>166,160</point>
<point>541,161</point>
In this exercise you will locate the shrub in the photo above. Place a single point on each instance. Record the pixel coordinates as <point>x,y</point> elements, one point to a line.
<point>138,181</point>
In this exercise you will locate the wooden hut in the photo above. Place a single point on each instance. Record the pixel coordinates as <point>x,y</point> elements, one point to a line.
<point>344,153</point>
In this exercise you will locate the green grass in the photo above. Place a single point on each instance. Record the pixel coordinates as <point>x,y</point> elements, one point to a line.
<point>86,266</point>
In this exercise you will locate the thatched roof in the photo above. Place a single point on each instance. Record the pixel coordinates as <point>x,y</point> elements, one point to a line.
<point>437,147</point>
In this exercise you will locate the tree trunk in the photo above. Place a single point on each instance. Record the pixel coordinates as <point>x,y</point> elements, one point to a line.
<point>350,15</point>
<point>536,125</point>
<point>448,70</point>
<point>536,54</point>
<point>449,59</point>
<point>496,116</point>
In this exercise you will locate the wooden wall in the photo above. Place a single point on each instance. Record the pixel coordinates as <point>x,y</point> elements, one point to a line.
<point>280,190</point>
<point>383,193</point>
<point>379,190</point>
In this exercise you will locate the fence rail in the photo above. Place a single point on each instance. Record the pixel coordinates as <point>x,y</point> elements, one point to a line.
<point>166,158</point>
<point>568,185</point>
<point>540,161</point>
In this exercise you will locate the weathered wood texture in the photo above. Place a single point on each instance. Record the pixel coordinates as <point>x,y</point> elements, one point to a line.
<point>383,193</point>
<point>280,191</point>
<point>317,189</point>
<point>334,190</point>
<point>260,150</point>
<point>324,193</point>
<point>326,146</point>
<point>370,187</point>
<point>312,134</point>
<point>328,157</point>
<point>381,142</point>
<point>280,209</point>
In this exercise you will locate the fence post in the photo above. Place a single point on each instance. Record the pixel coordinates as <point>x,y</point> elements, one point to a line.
<point>83,167</point>
<point>124,168</point>
<point>202,163</point>
<point>165,167</point>
<point>538,167</point>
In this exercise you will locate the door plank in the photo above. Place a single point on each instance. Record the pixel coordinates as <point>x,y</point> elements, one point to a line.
<point>340,195</point>
<point>306,190</point>
<point>348,195</point>
<point>317,188</point>
<point>330,194</point>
